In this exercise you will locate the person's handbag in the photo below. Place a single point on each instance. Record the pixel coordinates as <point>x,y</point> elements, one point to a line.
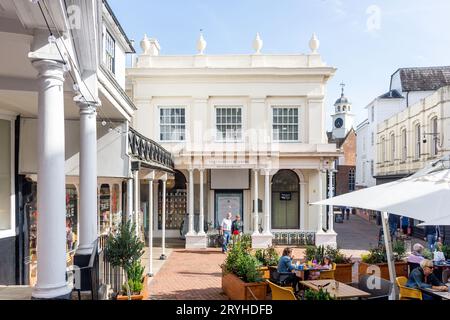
<point>221,239</point>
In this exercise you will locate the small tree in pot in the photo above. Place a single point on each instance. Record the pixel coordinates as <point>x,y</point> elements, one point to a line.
<point>124,249</point>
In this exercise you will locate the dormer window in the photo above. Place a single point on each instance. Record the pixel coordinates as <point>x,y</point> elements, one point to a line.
<point>109,52</point>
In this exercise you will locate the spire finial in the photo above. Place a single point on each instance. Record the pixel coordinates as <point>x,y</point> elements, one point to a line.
<point>342,88</point>
<point>201,43</point>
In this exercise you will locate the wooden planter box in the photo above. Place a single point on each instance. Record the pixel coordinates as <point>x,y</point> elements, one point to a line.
<point>401,269</point>
<point>236,289</point>
<point>144,294</point>
<point>344,273</point>
<point>265,272</point>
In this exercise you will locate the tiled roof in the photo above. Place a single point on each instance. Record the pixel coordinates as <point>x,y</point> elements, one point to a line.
<point>424,79</point>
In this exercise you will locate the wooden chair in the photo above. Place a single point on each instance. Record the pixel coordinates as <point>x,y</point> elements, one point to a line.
<point>328,274</point>
<point>405,292</point>
<point>281,293</point>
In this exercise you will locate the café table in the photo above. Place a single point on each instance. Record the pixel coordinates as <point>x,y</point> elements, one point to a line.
<point>340,291</point>
<point>437,294</point>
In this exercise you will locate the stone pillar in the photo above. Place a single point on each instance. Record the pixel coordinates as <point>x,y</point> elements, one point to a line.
<point>150,227</point>
<point>267,196</point>
<point>136,202</point>
<point>88,177</point>
<point>330,195</point>
<point>130,200</point>
<point>201,220</point>
<point>163,218</point>
<point>323,238</point>
<point>51,195</point>
<point>191,231</point>
<point>255,203</point>
<point>196,240</point>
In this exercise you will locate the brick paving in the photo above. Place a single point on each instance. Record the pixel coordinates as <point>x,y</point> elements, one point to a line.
<point>189,275</point>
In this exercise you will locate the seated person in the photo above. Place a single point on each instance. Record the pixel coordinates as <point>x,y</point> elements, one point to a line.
<point>416,254</point>
<point>438,254</point>
<point>423,278</point>
<point>285,266</point>
<point>326,264</point>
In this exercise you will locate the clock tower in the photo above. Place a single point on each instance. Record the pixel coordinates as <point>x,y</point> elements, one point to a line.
<point>343,118</point>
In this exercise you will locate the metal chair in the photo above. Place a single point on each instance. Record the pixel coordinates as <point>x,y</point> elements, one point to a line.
<point>328,274</point>
<point>281,293</point>
<point>407,293</point>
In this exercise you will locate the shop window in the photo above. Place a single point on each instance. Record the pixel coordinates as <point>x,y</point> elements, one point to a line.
<point>176,202</point>
<point>105,214</point>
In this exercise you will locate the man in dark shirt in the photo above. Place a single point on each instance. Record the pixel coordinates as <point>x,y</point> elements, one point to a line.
<point>423,278</point>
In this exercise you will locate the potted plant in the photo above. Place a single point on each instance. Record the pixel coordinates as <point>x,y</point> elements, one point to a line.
<point>377,257</point>
<point>241,275</point>
<point>124,249</point>
<point>268,258</point>
<point>344,264</point>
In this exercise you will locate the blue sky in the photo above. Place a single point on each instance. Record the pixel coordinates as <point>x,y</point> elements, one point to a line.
<point>365,40</point>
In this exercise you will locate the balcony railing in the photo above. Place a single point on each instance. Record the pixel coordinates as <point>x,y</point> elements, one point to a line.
<point>147,150</point>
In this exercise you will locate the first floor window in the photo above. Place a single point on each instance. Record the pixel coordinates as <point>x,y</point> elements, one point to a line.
<point>285,124</point>
<point>372,169</point>
<point>404,146</point>
<point>392,147</point>
<point>109,52</point>
<point>172,124</point>
<point>434,131</point>
<point>228,123</point>
<point>418,142</point>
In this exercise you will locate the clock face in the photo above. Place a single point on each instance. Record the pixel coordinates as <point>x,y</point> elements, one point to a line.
<point>339,123</point>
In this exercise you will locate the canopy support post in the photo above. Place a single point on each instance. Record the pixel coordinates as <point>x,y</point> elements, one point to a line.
<point>390,257</point>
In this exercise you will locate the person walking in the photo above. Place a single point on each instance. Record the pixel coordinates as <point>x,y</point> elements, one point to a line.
<point>225,231</point>
<point>237,226</point>
<point>432,235</point>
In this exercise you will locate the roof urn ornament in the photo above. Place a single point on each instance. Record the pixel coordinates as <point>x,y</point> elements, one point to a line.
<point>201,44</point>
<point>314,44</point>
<point>257,44</point>
<point>145,44</point>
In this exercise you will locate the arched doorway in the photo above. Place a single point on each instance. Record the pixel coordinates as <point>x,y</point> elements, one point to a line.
<point>176,202</point>
<point>285,200</point>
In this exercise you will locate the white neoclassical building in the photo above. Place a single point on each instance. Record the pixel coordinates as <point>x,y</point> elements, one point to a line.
<point>247,133</point>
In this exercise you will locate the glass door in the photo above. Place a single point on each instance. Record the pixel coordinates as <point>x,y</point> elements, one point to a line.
<point>228,202</point>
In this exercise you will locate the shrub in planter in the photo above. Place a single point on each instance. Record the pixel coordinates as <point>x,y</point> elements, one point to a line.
<point>241,272</point>
<point>317,295</point>
<point>268,258</point>
<point>135,278</point>
<point>123,249</point>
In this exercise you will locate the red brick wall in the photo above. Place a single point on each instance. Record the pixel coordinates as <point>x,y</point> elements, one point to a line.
<point>349,148</point>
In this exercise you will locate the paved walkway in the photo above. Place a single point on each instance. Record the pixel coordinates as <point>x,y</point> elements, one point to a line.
<point>189,275</point>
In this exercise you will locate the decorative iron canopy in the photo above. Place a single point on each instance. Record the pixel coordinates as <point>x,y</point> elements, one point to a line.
<point>148,151</point>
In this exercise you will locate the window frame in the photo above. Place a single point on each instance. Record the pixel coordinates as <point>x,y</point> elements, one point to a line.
<point>392,145</point>
<point>434,146</point>
<point>404,137</point>
<point>171,107</point>
<point>106,53</point>
<point>296,107</point>
<point>11,231</point>
<point>352,179</point>
<point>417,141</point>
<point>216,131</point>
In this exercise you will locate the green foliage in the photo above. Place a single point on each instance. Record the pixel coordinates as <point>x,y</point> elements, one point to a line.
<point>318,254</point>
<point>427,254</point>
<point>267,257</point>
<point>378,254</point>
<point>124,249</point>
<point>240,262</point>
<point>317,295</point>
<point>135,277</point>
<point>446,251</point>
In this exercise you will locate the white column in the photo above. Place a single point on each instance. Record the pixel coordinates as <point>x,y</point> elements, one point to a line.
<point>320,192</point>
<point>51,195</point>
<point>150,227</point>
<point>136,202</point>
<point>302,206</point>
<point>255,203</point>
<point>267,210</point>
<point>88,176</point>
<point>130,200</point>
<point>330,195</point>
<point>201,220</point>
<point>163,219</point>
<point>191,231</point>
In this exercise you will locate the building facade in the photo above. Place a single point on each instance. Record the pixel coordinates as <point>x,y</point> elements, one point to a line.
<point>248,137</point>
<point>67,145</point>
